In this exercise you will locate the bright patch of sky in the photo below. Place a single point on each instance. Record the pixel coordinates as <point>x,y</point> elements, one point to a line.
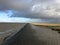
<point>5,14</point>
<point>20,20</point>
<point>5,17</point>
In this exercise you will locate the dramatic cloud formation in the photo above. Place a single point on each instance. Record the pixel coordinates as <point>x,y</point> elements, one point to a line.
<point>49,10</point>
<point>36,8</point>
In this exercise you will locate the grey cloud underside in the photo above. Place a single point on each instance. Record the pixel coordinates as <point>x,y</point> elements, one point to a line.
<point>41,9</point>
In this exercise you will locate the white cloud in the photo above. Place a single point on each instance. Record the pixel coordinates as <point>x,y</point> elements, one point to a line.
<point>46,9</point>
<point>57,1</point>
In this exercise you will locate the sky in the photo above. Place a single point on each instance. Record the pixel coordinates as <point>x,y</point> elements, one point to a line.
<point>43,10</point>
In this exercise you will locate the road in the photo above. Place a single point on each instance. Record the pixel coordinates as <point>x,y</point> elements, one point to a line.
<point>35,35</point>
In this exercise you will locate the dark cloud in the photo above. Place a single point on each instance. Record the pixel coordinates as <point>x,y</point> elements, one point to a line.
<point>41,9</point>
<point>36,10</point>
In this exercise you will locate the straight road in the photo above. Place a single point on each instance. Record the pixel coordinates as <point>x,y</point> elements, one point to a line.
<point>36,35</point>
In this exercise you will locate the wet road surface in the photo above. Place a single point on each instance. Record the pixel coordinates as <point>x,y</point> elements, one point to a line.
<point>35,35</point>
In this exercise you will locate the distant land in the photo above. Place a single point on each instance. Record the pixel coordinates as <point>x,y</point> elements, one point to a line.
<point>46,24</point>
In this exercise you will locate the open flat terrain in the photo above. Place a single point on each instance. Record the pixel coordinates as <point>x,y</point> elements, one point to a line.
<point>8,29</point>
<point>35,35</point>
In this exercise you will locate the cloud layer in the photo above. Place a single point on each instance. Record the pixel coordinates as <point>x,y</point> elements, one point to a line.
<point>42,9</point>
<point>36,8</point>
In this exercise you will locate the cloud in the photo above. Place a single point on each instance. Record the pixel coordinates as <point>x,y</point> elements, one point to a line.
<point>36,9</point>
<point>41,9</point>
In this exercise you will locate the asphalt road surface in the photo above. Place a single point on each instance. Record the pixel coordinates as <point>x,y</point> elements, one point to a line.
<point>35,35</point>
